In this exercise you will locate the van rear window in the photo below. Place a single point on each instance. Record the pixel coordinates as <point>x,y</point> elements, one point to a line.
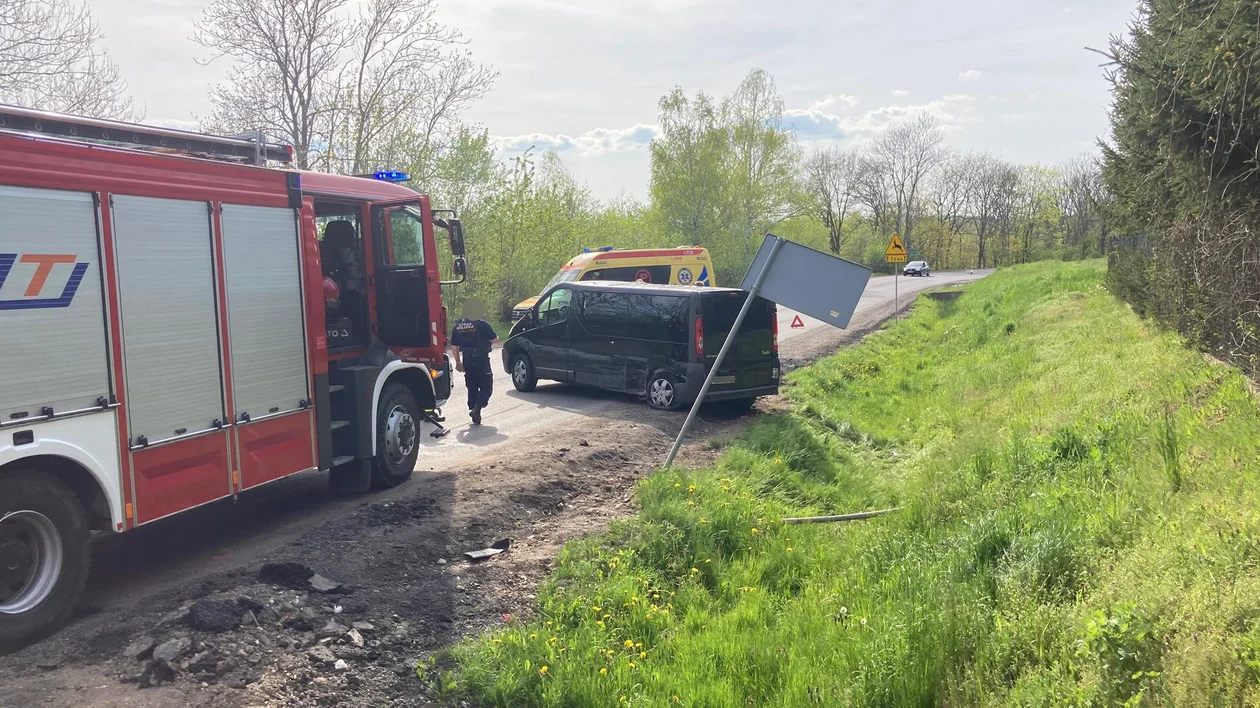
<point>719,310</point>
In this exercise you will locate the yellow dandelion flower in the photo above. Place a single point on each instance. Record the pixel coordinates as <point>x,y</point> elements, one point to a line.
<point>598,609</point>
<point>755,531</point>
<point>497,641</point>
<point>691,489</point>
<point>603,671</point>
<point>630,664</point>
<point>676,699</point>
<point>691,503</point>
<point>778,460</point>
<point>639,645</point>
<point>533,635</point>
<point>789,549</point>
<point>543,670</point>
<point>642,655</point>
<point>600,623</point>
<point>703,521</point>
<point>607,616</point>
<point>695,571</point>
<point>629,642</point>
<point>676,485</point>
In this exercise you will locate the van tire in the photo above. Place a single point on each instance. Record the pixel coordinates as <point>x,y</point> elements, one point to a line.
<point>397,436</point>
<point>662,392</point>
<point>524,378</point>
<point>36,505</point>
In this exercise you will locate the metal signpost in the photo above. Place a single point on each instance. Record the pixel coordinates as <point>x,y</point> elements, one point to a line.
<point>814,283</point>
<point>896,253</point>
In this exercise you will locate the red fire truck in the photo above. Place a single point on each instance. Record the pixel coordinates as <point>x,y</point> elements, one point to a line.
<point>180,323</point>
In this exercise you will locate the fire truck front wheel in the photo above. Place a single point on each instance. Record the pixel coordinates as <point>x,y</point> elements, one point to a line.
<point>397,436</point>
<point>44,554</point>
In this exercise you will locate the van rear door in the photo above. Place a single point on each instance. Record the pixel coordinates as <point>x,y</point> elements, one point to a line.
<point>751,361</point>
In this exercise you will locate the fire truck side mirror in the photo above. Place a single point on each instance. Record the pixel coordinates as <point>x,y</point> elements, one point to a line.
<point>460,267</point>
<point>457,238</point>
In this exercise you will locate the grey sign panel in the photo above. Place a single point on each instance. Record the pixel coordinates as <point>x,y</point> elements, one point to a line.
<point>811,282</point>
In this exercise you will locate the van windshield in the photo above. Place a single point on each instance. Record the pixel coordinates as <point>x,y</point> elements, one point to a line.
<point>719,310</point>
<point>564,276</point>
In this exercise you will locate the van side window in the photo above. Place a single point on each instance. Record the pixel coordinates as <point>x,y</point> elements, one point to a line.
<point>606,314</point>
<point>555,308</point>
<point>629,274</point>
<point>659,318</point>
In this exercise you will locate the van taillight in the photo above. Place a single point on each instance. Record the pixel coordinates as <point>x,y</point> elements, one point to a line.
<point>775,329</point>
<point>699,336</point>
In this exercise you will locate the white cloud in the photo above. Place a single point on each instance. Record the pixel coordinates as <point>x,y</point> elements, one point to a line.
<point>836,100</point>
<point>814,125</point>
<point>969,75</point>
<point>900,93</point>
<point>593,142</point>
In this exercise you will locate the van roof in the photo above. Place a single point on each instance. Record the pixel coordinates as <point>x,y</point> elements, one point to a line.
<point>647,288</point>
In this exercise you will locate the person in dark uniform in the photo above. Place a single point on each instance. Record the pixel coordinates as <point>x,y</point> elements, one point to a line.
<point>471,340</point>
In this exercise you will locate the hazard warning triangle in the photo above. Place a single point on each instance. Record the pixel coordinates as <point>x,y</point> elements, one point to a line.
<point>796,323</point>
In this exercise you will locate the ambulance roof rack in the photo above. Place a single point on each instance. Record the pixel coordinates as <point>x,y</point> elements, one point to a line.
<point>252,150</point>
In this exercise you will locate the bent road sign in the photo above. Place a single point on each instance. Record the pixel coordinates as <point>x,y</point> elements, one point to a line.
<point>813,283</point>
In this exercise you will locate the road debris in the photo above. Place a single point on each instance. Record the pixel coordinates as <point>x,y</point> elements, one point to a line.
<point>495,549</point>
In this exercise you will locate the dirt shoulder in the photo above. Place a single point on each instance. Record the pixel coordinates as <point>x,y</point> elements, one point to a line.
<point>398,586</point>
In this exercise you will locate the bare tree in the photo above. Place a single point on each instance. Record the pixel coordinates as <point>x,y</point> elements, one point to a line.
<point>908,154</point>
<point>50,58</point>
<point>949,194</point>
<point>991,202</point>
<point>831,175</point>
<point>351,92</point>
<point>873,191</point>
<point>1080,196</point>
<point>404,86</point>
<point>287,55</point>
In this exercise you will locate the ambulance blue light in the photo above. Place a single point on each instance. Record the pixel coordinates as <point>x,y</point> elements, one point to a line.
<point>392,176</point>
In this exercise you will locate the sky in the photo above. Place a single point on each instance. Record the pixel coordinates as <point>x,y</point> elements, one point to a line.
<point>583,77</point>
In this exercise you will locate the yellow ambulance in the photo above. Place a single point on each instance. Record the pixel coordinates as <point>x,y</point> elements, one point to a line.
<point>686,265</point>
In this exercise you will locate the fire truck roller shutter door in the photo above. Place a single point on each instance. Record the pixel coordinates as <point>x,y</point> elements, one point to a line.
<point>264,309</point>
<point>51,309</point>
<point>170,327</point>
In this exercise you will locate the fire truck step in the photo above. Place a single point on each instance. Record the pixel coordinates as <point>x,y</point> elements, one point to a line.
<point>339,424</point>
<point>334,388</point>
<point>342,459</point>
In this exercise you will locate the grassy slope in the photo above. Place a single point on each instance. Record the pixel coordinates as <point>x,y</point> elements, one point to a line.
<point>1080,525</point>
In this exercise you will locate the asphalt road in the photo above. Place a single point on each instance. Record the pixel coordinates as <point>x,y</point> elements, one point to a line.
<point>229,534</point>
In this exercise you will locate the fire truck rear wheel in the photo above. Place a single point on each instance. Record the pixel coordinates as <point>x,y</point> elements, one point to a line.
<point>44,554</point>
<point>397,436</point>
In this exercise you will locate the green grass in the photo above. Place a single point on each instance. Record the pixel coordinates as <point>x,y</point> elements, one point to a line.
<point>1081,526</point>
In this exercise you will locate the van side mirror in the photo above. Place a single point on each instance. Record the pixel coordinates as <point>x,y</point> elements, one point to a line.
<point>457,237</point>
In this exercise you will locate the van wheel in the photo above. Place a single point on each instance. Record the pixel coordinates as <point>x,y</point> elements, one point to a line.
<point>662,392</point>
<point>397,436</point>
<point>523,376</point>
<point>44,554</point>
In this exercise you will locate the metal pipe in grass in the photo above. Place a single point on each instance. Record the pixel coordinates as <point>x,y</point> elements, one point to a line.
<point>842,517</point>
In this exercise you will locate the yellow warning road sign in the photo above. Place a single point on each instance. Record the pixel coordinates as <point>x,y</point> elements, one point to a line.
<point>896,251</point>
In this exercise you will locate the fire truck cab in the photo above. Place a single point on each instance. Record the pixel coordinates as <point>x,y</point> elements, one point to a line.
<point>167,340</point>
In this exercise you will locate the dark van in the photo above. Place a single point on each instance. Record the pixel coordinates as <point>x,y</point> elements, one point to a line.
<point>655,341</point>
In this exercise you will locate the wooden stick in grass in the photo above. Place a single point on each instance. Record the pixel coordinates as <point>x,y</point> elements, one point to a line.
<point>842,517</point>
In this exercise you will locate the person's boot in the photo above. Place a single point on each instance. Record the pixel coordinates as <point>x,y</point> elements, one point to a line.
<point>475,414</point>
